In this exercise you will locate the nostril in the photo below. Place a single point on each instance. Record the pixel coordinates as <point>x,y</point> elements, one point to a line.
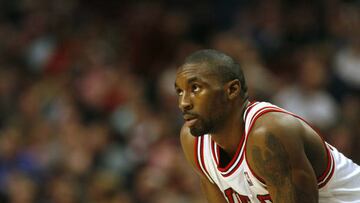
<point>185,107</point>
<point>189,107</point>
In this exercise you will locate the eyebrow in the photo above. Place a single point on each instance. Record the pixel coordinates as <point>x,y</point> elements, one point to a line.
<point>193,79</point>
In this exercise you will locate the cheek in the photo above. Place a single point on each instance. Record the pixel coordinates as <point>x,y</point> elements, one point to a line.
<point>216,105</point>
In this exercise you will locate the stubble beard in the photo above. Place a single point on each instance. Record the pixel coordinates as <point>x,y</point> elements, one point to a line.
<point>216,119</point>
<point>208,126</point>
<point>202,128</point>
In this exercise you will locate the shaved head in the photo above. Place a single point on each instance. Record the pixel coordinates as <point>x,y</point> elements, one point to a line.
<point>222,65</point>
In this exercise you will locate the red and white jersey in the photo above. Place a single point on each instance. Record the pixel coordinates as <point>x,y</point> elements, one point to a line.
<point>340,182</point>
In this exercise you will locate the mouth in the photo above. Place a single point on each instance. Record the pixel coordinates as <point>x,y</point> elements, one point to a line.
<point>190,120</point>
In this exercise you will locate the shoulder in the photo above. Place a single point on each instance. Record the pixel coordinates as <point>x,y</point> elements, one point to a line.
<point>187,140</point>
<point>275,153</point>
<point>275,142</point>
<point>188,146</point>
<point>284,127</point>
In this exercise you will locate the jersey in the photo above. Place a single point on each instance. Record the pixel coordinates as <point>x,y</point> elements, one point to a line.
<point>340,182</point>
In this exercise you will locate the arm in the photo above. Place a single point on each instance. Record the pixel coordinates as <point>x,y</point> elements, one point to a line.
<point>211,191</point>
<point>276,153</point>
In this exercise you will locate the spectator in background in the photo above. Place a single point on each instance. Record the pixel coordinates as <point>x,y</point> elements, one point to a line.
<point>347,58</point>
<point>82,87</point>
<point>22,189</point>
<point>307,96</point>
<point>261,81</point>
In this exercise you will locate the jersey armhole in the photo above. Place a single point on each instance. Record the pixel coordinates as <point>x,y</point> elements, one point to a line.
<point>325,177</point>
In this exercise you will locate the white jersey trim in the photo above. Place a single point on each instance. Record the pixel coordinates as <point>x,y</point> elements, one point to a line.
<point>199,157</point>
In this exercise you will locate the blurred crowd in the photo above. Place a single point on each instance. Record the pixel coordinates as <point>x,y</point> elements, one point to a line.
<point>88,111</point>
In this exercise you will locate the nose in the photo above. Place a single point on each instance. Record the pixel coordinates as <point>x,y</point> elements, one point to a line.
<point>185,103</point>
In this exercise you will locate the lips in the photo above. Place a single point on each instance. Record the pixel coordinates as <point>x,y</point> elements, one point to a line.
<point>189,119</point>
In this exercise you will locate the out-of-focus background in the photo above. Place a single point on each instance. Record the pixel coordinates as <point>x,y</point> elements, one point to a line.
<point>87,107</point>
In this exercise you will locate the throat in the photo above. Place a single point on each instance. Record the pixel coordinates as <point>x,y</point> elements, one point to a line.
<point>224,158</point>
<point>229,141</point>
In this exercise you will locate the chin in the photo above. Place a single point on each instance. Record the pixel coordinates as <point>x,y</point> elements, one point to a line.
<point>197,132</point>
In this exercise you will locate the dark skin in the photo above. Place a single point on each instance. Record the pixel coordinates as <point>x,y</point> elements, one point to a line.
<point>281,149</point>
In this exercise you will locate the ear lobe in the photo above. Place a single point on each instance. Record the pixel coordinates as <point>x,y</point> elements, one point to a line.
<point>233,89</point>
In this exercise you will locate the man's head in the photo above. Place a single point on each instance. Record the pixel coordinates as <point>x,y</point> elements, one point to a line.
<point>210,86</point>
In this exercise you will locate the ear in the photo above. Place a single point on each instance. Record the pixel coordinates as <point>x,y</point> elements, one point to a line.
<point>233,89</point>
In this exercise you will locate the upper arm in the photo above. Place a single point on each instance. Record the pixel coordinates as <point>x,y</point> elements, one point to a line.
<point>276,153</point>
<point>211,191</point>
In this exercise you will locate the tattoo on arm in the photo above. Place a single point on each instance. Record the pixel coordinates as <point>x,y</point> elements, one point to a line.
<point>274,164</point>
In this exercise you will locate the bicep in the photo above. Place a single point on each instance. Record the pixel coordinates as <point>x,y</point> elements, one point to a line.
<point>281,162</point>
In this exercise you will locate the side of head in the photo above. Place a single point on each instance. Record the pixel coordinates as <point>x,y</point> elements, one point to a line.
<point>210,85</point>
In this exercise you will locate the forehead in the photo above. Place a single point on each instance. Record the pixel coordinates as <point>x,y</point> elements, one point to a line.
<point>198,71</point>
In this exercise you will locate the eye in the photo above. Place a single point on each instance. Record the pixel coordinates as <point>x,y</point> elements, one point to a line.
<point>195,88</point>
<point>179,92</point>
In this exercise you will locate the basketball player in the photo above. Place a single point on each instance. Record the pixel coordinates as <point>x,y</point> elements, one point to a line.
<point>254,152</point>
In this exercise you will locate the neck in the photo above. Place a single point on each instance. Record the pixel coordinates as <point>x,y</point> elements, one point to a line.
<point>228,138</point>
